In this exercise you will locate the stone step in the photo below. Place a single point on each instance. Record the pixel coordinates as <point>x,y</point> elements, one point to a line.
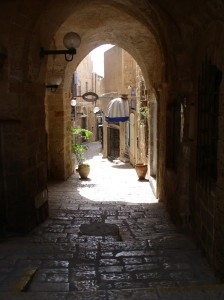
<point>199,292</point>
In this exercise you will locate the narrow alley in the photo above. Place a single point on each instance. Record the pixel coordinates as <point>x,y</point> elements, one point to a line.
<point>106,238</point>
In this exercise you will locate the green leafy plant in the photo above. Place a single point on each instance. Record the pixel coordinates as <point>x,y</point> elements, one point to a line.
<point>144,111</point>
<point>78,148</point>
<point>143,114</point>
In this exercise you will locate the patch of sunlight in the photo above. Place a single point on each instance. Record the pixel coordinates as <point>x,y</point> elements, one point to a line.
<point>117,194</point>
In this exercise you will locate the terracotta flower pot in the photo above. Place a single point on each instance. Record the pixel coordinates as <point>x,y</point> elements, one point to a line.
<point>83,171</point>
<point>141,171</point>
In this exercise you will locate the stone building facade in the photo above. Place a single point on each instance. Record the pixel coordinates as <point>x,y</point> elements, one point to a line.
<point>179,48</point>
<point>85,80</point>
<point>120,71</point>
<point>124,76</point>
<point>120,77</point>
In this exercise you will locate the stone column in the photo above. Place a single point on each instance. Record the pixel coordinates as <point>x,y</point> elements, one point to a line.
<point>57,134</point>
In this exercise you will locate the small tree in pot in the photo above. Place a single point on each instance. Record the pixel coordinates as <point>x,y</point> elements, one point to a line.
<point>79,149</point>
<point>141,168</point>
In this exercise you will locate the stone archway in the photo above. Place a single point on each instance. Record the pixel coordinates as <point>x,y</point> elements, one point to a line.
<point>135,28</point>
<point>106,24</point>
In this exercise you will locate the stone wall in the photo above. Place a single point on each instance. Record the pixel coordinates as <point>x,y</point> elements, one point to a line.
<point>208,206</point>
<point>24,157</point>
<point>113,70</point>
<point>193,205</point>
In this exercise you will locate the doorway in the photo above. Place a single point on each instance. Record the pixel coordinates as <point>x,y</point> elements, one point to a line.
<point>113,143</point>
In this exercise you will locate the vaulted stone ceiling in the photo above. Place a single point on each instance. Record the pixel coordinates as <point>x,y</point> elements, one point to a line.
<point>144,28</point>
<point>100,23</point>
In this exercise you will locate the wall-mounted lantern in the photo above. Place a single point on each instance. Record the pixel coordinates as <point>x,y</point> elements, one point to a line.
<point>73,104</point>
<point>96,110</point>
<point>71,41</point>
<point>53,83</point>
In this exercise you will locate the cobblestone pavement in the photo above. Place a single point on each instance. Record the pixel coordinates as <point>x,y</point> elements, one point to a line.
<point>130,250</point>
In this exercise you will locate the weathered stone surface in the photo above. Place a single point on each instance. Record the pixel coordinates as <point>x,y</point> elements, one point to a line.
<point>99,229</point>
<point>68,260</point>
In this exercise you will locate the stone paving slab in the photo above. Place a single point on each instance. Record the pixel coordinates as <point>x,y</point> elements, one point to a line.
<point>147,256</point>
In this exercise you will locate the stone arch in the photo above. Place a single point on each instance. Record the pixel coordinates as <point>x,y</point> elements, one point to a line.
<point>155,36</point>
<point>143,48</point>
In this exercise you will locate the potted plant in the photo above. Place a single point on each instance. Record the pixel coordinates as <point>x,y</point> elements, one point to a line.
<point>141,167</point>
<point>143,115</point>
<point>141,170</point>
<point>79,149</point>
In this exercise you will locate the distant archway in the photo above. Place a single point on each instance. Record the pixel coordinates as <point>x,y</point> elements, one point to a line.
<point>106,24</point>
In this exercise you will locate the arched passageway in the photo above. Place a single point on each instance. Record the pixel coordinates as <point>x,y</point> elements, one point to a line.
<point>145,51</point>
<point>177,46</point>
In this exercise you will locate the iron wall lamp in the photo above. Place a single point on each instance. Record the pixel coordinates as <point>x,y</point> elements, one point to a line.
<point>73,102</point>
<point>96,110</point>
<point>53,83</point>
<point>71,41</point>
<point>53,87</point>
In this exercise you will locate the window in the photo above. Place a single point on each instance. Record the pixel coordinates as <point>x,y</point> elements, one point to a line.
<point>173,134</point>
